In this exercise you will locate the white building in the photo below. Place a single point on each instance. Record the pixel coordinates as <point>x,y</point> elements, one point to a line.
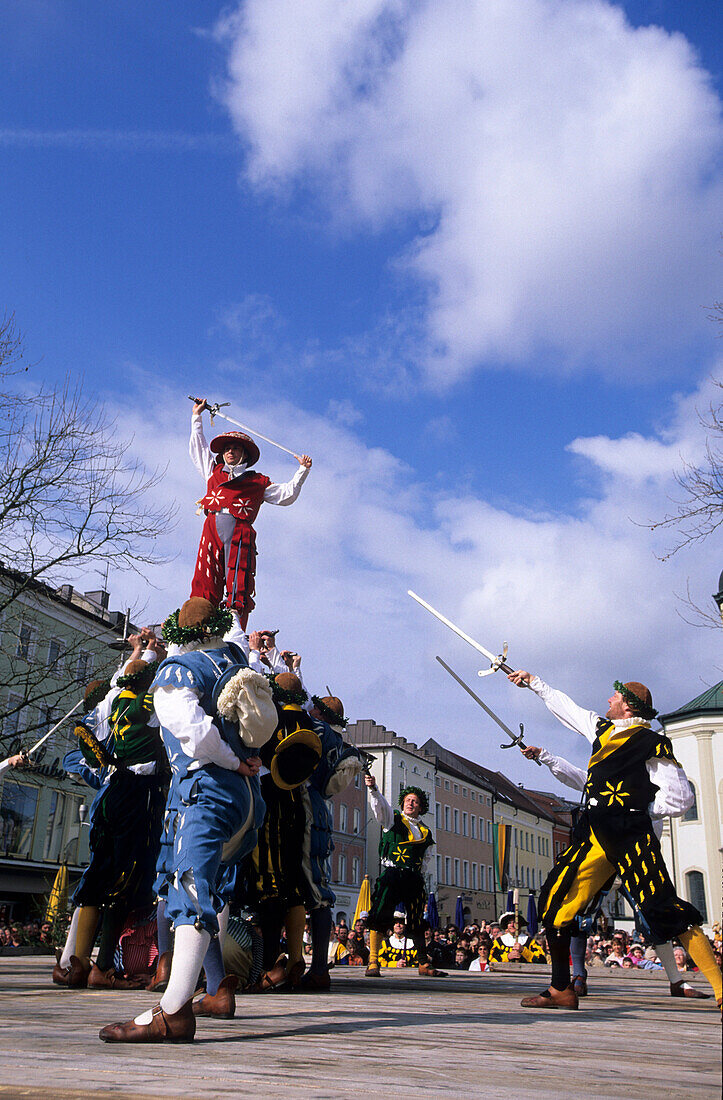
<point>692,844</point>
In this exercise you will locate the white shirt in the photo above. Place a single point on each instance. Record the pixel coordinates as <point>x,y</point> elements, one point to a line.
<point>674,795</point>
<point>204,460</point>
<point>384,814</point>
<point>179,710</point>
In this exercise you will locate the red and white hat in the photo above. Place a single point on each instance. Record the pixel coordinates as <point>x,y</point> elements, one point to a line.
<point>220,442</point>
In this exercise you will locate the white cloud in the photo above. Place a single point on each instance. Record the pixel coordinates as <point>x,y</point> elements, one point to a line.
<point>581,598</point>
<point>561,160</point>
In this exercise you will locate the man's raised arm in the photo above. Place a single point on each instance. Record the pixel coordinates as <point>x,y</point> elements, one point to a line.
<point>561,705</point>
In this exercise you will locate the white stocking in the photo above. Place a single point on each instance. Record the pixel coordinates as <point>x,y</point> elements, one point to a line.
<point>664,952</point>
<point>222,925</point>
<point>189,949</point>
<point>69,948</point>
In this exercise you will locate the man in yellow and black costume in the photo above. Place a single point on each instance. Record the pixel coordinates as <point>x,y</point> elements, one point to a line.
<point>632,774</point>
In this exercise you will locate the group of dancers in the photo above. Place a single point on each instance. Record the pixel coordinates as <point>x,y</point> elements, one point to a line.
<point>214,770</point>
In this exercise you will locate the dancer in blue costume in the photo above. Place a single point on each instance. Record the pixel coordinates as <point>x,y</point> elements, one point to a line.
<point>215,713</point>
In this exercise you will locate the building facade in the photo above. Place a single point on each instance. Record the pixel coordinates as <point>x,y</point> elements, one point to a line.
<point>349,858</point>
<point>463,834</point>
<point>53,642</point>
<point>692,843</point>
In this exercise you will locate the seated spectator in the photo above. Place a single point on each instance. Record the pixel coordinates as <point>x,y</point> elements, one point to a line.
<point>681,960</point>
<point>397,950</point>
<point>358,950</point>
<point>339,952</point>
<point>617,954</point>
<point>508,948</point>
<point>627,963</point>
<point>481,963</point>
<point>462,959</point>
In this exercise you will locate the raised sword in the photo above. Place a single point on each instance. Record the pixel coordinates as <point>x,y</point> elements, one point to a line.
<point>515,738</point>
<point>498,663</point>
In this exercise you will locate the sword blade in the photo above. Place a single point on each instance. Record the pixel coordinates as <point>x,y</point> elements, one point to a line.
<point>460,633</point>
<point>55,727</point>
<point>251,431</point>
<point>478,701</point>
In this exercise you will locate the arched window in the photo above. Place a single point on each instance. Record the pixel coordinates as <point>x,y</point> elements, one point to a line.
<point>695,885</point>
<point>692,813</point>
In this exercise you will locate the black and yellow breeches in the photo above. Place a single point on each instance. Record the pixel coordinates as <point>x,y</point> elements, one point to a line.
<point>598,853</point>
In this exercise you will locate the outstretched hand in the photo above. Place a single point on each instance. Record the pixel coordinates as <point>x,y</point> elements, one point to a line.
<point>370,782</point>
<point>520,678</point>
<point>304,460</point>
<point>199,406</point>
<point>530,752</point>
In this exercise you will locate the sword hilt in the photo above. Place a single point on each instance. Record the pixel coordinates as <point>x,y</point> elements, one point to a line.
<point>211,408</point>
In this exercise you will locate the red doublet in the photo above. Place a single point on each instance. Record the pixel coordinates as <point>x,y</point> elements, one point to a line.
<point>227,551</point>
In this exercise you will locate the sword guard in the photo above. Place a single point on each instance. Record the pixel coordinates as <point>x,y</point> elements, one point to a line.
<point>500,662</point>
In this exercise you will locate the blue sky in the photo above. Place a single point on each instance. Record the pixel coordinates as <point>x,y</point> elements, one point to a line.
<point>460,243</point>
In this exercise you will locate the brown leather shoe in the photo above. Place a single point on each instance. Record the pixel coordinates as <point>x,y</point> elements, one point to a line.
<point>108,979</point>
<point>180,1027</point>
<point>74,976</point>
<point>372,971</point>
<point>314,983</point>
<point>579,986</point>
<point>159,981</point>
<point>680,989</point>
<point>426,970</point>
<point>222,1004</point>
<point>272,979</point>
<point>552,998</point>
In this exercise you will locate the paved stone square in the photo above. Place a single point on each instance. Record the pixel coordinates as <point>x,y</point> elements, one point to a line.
<point>463,1036</point>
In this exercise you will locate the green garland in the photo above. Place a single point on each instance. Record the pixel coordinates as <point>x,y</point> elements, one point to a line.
<point>283,696</point>
<point>214,627</point>
<point>328,715</point>
<point>634,701</point>
<point>139,679</point>
<point>421,795</point>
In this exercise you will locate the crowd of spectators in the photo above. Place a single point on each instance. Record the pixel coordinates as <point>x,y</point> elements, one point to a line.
<point>452,948</point>
<point>18,934</point>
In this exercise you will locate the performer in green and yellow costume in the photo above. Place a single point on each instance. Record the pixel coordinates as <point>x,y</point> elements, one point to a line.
<point>403,848</point>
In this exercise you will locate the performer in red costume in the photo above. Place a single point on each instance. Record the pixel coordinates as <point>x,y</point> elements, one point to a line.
<point>234,493</point>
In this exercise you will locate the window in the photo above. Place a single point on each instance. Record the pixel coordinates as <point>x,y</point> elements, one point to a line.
<point>489,831</point>
<point>465,874</point>
<point>84,666</point>
<point>439,868</point>
<point>448,870</point>
<point>473,795</point>
<point>356,823</point>
<point>342,819</point>
<point>446,784</point>
<point>25,641</point>
<point>357,782</point>
<point>12,722</point>
<point>456,821</point>
<point>448,819</point>
<point>464,792</point>
<point>17,818</point>
<point>55,656</point>
<point>527,876</point>
<point>514,837</point>
<point>456,788</point>
<point>355,871</point>
<point>342,868</point>
<point>456,872</point>
<point>465,829</point>
<point>695,884</point>
<point>438,815</point>
<point>692,813</point>
<point>474,876</point>
<point>437,781</point>
<point>539,846</point>
<point>472,820</point>
<point>490,879</point>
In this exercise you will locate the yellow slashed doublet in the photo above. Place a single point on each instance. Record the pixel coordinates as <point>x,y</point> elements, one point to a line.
<point>531,950</point>
<point>614,835</point>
